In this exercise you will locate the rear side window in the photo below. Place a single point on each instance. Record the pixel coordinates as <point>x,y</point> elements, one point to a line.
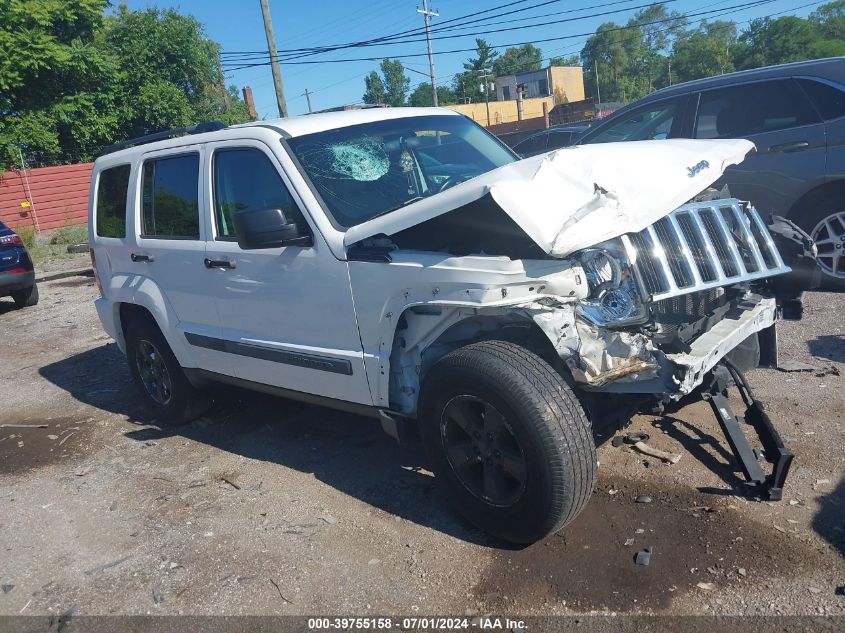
<point>170,206</point>
<point>244,178</point>
<point>829,100</point>
<point>112,188</point>
<point>755,108</point>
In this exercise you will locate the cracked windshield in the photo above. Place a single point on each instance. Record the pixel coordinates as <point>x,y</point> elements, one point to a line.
<point>367,170</point>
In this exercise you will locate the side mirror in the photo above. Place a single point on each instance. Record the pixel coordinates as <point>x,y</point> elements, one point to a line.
<point>267,228</point>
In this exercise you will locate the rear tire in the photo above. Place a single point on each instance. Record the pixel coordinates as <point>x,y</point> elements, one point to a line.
<point>27,297</point>
<point>506,436</point>
<point>166,391</point>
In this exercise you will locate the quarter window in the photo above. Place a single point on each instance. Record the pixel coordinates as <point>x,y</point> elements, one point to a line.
<point>246,179</point>
<point>748,109</point>
<point>112,187</point>
<point>170,207</point>
<point>829,100</point>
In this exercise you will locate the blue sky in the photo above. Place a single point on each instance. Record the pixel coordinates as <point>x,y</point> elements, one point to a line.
<point>237,26</point>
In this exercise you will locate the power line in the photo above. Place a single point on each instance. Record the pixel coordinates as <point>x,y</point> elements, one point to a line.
<point>746,5</point>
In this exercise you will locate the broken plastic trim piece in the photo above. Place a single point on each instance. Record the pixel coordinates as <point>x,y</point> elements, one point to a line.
<point>770,486</point>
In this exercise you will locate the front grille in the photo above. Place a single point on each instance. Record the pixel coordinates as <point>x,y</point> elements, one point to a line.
<point>703,245</point>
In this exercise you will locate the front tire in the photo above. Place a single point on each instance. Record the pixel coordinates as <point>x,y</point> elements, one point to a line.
<point>506,436</point>
<point>168,394</point>
<point>27,297</point>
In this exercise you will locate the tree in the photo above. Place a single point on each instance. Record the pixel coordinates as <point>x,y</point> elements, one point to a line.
<point>396,83</point>
<point>421,96</point>
<point>699,55</point>
<point>73,79</point>
<point>568,60</point>
<point>374,92</point>
<point>519,59</point>
<point>830,18</point>
<point>467,85</point>
<point>785,39</point>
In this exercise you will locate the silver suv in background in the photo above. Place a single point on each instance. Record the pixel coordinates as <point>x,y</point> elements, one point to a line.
<point>793,113</point>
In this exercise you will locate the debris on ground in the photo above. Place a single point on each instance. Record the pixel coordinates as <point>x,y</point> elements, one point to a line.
<point>157,597</point>
<point>643,499</point>
<point>840,591</point>
<point>328,518</point>
<point>643,557</point>
<point>7,588</point>
<point>99,568</point>
<point>231,480</point>
<point>794,365</point>
<point>630,438</point>
<point>831,370</point>
<point>23,426</point>
<point>741,571</point>
<point>281,595</point>
<point>670,458</point>
<point>706,586</point>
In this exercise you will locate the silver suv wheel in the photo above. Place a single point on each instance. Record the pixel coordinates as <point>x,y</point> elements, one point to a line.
<point>829,235</point>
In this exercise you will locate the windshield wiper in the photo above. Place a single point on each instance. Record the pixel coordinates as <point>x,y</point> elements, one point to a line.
<point>404,204</point>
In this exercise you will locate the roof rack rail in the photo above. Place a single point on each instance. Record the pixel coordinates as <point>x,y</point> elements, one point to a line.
<point>199,128</point>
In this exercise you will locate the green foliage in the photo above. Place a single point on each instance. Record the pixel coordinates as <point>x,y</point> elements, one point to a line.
<point>467,85</point>
<point>27,234</point>
<point>421,97</point>
<point>73,79</point>
<point>567,60</point>
<point>396,83</point>
<point>699,55</point>
<point>785,39</point>
<point>76,234</point>
<point>518,59</point>
<point>390,88</point>
<point>374,92</point>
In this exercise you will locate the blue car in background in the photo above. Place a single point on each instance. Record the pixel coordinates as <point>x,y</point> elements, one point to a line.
<point>17,274</point>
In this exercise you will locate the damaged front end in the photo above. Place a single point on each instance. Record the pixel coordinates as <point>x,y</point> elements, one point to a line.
<point>666,304</point>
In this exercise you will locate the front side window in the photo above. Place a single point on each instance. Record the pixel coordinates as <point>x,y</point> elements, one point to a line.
<point>754,108</point>
<point>112,190</point>
<point>651,122</point>
<point>362,171</point>
<point>244,178</point>
<point>170,199</point>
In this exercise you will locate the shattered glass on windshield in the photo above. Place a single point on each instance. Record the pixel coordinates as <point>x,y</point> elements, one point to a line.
<point>362,171</point>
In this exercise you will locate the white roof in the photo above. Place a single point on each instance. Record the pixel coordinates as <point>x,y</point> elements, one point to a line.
<point>310,123</point>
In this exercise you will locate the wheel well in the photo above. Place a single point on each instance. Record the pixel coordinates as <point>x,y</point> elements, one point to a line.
<point>830,191</point>
<point>413,355</point>
<point>130,312</point>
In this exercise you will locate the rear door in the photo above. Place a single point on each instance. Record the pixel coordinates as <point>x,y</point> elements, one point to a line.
<point>790,138</point>
<point>170,246</point>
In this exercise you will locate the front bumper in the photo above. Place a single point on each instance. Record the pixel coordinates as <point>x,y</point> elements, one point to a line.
<point>630,362</point>
<point>10,282</point>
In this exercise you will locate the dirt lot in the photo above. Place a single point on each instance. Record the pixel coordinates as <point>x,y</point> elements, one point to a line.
<point>269,506</point>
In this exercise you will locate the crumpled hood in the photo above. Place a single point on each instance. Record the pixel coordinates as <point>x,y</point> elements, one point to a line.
<point>579,196</point>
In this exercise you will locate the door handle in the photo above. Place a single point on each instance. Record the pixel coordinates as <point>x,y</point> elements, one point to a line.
<point>218,263</point>
<point>789,147</point>
<point>141,258</point>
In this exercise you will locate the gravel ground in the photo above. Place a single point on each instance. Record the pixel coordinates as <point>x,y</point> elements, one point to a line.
<point>266,506</point>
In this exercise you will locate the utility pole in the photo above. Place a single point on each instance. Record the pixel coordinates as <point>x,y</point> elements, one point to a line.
<point>274,60</point>
<point>598,88</point>
<point>427,15</point>
<point>670,72</point>
<point>308,94</point>
<point>486,87</point>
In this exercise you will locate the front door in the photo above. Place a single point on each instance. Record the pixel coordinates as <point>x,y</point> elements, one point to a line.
<point>286,314</point>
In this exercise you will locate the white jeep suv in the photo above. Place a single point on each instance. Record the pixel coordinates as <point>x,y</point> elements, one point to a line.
<point>403,263</point>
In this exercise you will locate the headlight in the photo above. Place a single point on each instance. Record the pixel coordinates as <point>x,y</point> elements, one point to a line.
<point>614,298</point>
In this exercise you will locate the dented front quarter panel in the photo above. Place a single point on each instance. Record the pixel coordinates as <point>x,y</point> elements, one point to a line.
<point>444,291</point>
